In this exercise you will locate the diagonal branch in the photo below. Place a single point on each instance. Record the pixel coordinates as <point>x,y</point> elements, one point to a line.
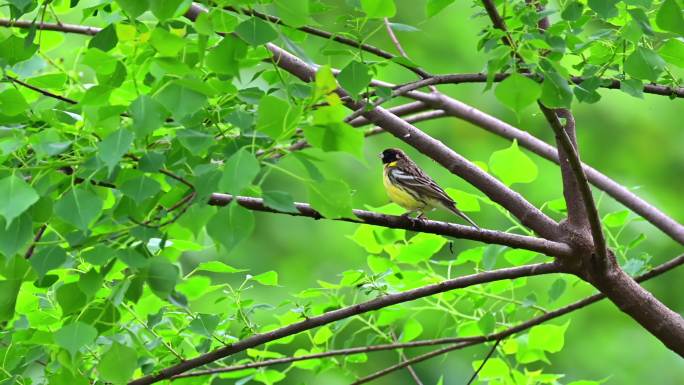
<point>655,272</point>
<point>346,312</point>
<point>463,111</point>
<point>665,267</point>
<point>528,215</point>
<point>540,245</point>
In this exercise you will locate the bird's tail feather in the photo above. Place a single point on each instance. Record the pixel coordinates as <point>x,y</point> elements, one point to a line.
<point>458,212</point>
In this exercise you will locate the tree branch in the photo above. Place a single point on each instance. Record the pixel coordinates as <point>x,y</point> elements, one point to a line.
<point>544,246</point>
<point>346,312</point>
<point>655,272</point>
<point>330,353</point>
<point>667,266</point>
<point>463,111</point>
<point>327,35</point>
<point>528,215</point>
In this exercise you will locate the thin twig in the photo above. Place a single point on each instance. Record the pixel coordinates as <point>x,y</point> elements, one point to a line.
<point>491,351</point>
<point>346,312</point>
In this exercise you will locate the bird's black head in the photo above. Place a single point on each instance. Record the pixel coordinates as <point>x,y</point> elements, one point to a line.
<point>392,155</point>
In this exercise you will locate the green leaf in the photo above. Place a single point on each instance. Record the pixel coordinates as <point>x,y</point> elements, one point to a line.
<point>556,92</point>
<point>669,17</point>
<point>225,57</point>
<point>15,236</point>
<point>492,369</point>
<point>106,39</point>
<point>640,17</point>
<point>517,92</point>
<point>323,334</point>
<point>673,52</point>
<point>604,8</point>
<point>166,43</point>
<point>134,8</point>
<point>377,9</point>
<point>269,278</point>
<point>517,257</point>
<point>634,87</point>
<point>644,63</point>
<point>557,289</point>
<point>70,298</point>
<point>434,7</point>
<point>205,324</point>
<point>118,364</point>
<point>46,259</point>
<point>74,336</point>
<point>294,13</point>
<point>14,50</point>
<point>616,219</point>
<point>12,102</point>
<point>331,133</point>
<point>9,289</point>
<point>180,100</point>
<point>230,226</point>
<point>513,166</point>
<point>487,323</point>
<point>255,31</point>
<point>140,188</point>
<point>114,146</point>
<point>148,115</point>
<point>412,330</point>
<point>79,207</point>
<point>354,78</point>
<point>162,276</point>
<point>572,11</point>
<point>239,171</point>
<point>279,200</point>
<point>166,9</point>
<point>331,198</point>
<point>17,197</point>
<point>550,338</point>
<point>421,248</point>
<point>465,202</point>
<point>269,376</point>
<point>325,82</point>
<point>276,117</point>
<point>217,267</point>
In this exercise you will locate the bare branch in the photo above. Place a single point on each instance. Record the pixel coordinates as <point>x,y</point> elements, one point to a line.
<point>582,184</point>
<point>529,215</point>
<point>491,351</point>
<point>544,246</point>
<point>40,90</point>
<point>667,266</point>
<point>330,353</point>
<point>346,312</point>
<point>458,342</point>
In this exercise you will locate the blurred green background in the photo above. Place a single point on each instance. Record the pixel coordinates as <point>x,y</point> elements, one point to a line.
<point>637,142</point>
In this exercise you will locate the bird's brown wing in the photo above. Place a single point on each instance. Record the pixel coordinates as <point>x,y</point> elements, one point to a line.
<point>408,174</point>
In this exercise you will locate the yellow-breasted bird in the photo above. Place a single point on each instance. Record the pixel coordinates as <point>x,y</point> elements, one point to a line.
<point>409,187</point>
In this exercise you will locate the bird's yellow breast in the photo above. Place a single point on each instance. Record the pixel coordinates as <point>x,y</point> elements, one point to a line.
<point>399,196</point>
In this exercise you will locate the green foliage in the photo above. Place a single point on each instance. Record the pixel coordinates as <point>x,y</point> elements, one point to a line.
<point>113,259</point>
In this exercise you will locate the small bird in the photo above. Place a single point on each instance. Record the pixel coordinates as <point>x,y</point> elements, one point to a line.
<point>409,187</point>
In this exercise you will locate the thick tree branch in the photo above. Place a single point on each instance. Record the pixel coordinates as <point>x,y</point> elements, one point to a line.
<point>544,246</point>
<point>496,126</point>
<point>346,312</point>
<point>667,266</point>
<point>528,215</point>
<point>604,272</point>
<point>655,272</point>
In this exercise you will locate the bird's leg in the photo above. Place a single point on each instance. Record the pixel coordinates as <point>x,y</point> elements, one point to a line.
<point>421,215</point>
